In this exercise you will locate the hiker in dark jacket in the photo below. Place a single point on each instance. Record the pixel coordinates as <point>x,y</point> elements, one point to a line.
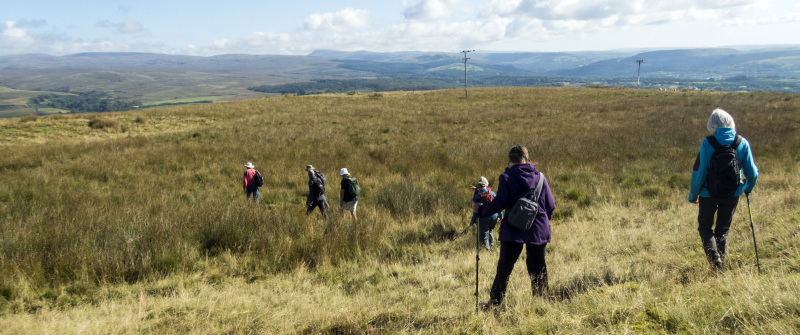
<point>715,242</point>
<point>316,193</point>
<point>347,202</point>
<point>519,178</point>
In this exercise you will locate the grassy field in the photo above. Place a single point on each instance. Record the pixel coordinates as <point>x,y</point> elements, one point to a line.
<point>150,88</point>
<point>139,224</point>
<point>14,103</point>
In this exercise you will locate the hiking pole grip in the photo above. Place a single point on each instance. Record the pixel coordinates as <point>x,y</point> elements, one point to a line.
<point>753,229</point>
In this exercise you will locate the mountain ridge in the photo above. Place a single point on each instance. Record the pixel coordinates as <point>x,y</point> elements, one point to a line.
<point>162,78</point>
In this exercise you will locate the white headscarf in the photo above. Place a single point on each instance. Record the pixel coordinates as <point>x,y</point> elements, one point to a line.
<point>720,118</point>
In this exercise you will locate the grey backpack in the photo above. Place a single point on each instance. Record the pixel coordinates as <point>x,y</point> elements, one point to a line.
<point>523,214</point>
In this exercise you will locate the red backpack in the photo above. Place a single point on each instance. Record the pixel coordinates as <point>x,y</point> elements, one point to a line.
<point>485,197</point>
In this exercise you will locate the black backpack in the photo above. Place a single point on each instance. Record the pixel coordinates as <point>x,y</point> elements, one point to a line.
<point>322,181</point>
<point>259,179</point>
<point>321,177</point>
<point>724,170</point>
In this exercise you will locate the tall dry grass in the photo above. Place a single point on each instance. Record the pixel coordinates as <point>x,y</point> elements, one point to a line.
<point>91,217</point>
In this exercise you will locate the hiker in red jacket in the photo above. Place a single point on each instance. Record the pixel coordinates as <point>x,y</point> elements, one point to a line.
<point>251,181</point>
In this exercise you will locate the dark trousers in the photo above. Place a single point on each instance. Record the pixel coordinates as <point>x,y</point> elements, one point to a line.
<point>537,269</point>
<point>323,207</point>
<point>715,241</point>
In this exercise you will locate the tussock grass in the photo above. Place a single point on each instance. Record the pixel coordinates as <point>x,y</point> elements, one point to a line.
<point>148,231</point>
<point>28,118</point>
<point>101,123</point>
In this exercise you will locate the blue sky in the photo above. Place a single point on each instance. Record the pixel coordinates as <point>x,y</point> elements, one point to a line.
<point>298,27</point>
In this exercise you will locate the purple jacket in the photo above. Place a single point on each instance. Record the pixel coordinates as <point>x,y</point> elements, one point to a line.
<point>514,184</point>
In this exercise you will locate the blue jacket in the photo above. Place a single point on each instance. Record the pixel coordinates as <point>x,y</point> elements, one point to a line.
<point>514,184</point>
<point>724,136</point>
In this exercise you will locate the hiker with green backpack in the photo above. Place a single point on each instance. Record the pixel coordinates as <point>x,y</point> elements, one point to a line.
<point>724,158</point>
<point>348,196</point>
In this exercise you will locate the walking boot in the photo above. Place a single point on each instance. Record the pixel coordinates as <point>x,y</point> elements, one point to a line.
<point>722,247</point>
<point>490,306</point>
<point>712,255</point>
<point>486,306</point>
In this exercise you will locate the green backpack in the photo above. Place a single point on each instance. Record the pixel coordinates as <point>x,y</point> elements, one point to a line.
<point>353,189</point>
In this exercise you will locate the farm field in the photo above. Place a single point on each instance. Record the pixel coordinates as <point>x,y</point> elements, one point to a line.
<point>14,103</point>
<point>138,224</point>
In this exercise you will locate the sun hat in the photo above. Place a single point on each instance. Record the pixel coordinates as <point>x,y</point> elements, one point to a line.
<point>344,172</point>
<point>310,168</point>
<point>483,182</point>
<point>249,165</point>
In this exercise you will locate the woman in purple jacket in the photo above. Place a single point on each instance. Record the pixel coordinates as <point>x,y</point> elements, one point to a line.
<point>519,178</point>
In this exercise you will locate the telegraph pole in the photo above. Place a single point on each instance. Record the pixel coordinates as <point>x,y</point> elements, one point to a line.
<point>639,73</point>
<point>465,70</point>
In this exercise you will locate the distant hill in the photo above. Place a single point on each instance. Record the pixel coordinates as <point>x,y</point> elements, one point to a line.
<point>157,78</point>
<point>781,61</point>
<point>257,66</point>
<point>543,62</point>
<point>697,63</point>
<point>160,78</point>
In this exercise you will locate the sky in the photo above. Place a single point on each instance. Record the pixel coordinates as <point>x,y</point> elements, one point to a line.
<point>298,27</point>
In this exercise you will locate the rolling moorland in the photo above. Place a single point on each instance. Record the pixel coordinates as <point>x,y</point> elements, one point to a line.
<point>135,222</point>
<point>153,80</point>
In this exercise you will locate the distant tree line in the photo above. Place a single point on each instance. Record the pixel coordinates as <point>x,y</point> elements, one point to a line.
<point>453,80</point>
<point>84,102</point>
<point>353,85</point>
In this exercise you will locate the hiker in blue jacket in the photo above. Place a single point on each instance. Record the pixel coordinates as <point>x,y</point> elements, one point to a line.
<point>484,195</point>
<point>723,130</point>
<point>520,178</point>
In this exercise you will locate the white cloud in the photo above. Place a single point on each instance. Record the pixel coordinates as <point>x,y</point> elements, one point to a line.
<point>501,7</point>
<point>786,18</point>
<point>14,39</point>
<point>531,18</point>
<point>429,9</point>
<point>125,27</point>
<point>591,10</point>
<point>411,35</point>
<point>13,32</point>
<point>79,46</point>
<point>426,25</point>
<point>342,20</point>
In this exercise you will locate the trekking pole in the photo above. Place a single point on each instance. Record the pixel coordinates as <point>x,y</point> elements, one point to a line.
<point>461,233</point>
<point>750,210</point>
<point>477,259</point>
